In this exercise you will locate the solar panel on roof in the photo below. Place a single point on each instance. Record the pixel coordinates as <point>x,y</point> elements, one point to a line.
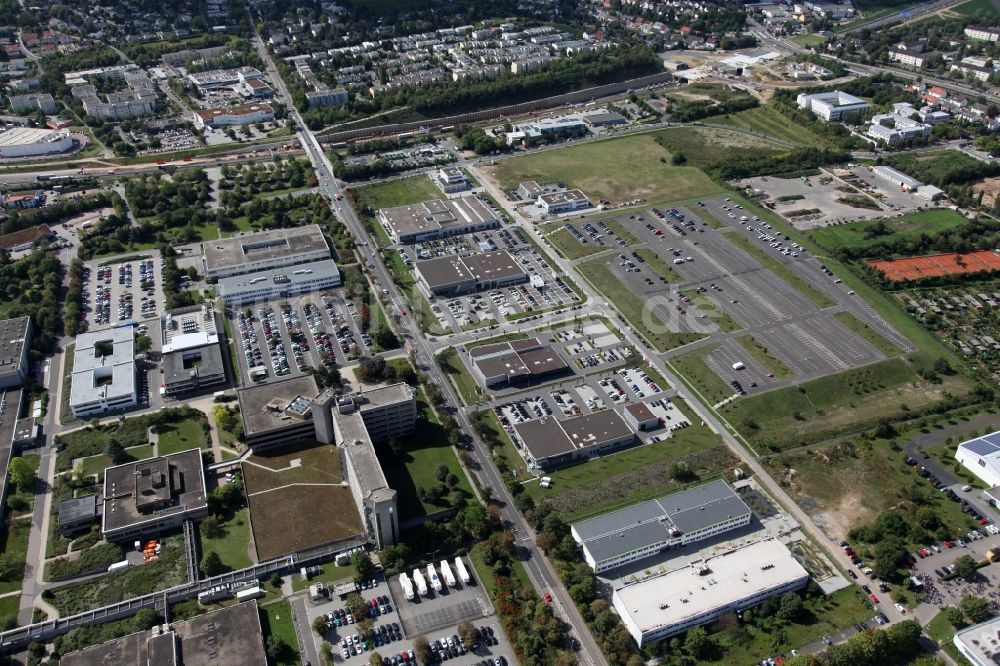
<point>992,438</point>
<point>982,447</point>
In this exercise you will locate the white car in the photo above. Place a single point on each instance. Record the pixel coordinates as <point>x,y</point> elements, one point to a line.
<point>901,609</point>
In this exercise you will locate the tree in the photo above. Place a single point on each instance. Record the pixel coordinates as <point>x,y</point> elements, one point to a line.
<point>955,617</point>
<point>790,608</point>
<point>11,567</point>
<point>467,632</point>
<point>363,567</point>
<point>211,565</point>
<point>678,159</point>
<point>22,474</point>
<point>422,650</point>
<point>114,450</point>
<point>965,567</point>
<point>441,472</point>
<point>375,659</point>
<point>697,642</point>
<point>975,609</point>
<point>319,625</point>
<point>276,648</point>
<point>212,528</point>
<point>357,605</point>
<point>143,344</point>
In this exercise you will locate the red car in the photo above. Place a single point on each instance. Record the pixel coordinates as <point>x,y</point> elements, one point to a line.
<point>548,596</point>
<point>874,599</point>
<point>925,552</point>
<point>948,544</point>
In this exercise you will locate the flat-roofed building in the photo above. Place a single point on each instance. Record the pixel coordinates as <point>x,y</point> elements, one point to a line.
<point>982,33</point>
<point>32,102</point>
<point>647,528</point>
<point>437,219</point>
<point>259,251</point>
<point>191,354</point>
<point>454,275</point>
<point>980,643</point>
<point>833,106</point>
<point>555,203</point>
<point>223,78</point>
<point>506,363</point>
<point>15,338</point>
<point>897,178</point>
<point>234,115</point>
<point>641,417</point>
<point>325,96</point>
<point>78,514</point>
<point>278,413</point>
<point>103,378</point>
<point>231,635</point>
<point>604,119</point>
<point>151,496</point>
<point>733,580</point>
<point>549,442</point>
<point>276,283</point>
<point>30,142</point>
<point>450,180</point>
<point>529,190</point>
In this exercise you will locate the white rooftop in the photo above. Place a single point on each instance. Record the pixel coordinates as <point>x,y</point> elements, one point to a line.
<point>732,575</point>
<point>91,370</point>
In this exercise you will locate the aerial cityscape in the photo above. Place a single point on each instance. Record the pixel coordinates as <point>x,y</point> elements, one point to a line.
<point>523,333</point>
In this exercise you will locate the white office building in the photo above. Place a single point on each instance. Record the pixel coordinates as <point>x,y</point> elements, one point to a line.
<point>264,250</point>
<point>833,106</point>
<point>103,377</point>
<point>981,456</point>
<point>278,283</point>
<point>893,128</point>
<point>700,592</point>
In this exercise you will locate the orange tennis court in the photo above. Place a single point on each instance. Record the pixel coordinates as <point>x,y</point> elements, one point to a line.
<point>934,265</point>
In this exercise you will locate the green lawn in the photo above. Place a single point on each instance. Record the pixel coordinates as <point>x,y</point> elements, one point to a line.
<point>782,270</point>
<point>659,264</point>
<point>183,435</point>
<point>398,192</point>
<point>465,384</point>
<point>420,454</point>
<point>484,575</point>
<point>14,544</point>
<point>703,305</point>
<point>276,620</point>
<point>864,234</point>
<point>330,575</point>
<point>808,40</point>
<point>232,545</point>
<point>794,415</point>
<point>632,307</point>
<point>619,169</point>
<point>703,146</point>
<point>975,7</point>
<point>763,355</point>
<point>933,167</point>
<point>874,338</point>
<point>771,123</point>
<point>9,607</point>
<point>692,367</point>
<point>570,247</point>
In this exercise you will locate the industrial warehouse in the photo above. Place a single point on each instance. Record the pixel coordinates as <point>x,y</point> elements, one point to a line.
<point>507,363</point>
<point>549,442</point>
<point>30,142</point>
<point>454,276</point>
<point>642,530</point>
<point>437,219</point>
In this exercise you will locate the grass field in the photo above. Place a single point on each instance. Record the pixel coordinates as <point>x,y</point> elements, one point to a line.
<point>780,269</point>
<point>276,620</point>
<point>231,546</point>
<point>932,167</point>
<point>14,545</point>
<point>287,488</point>
<point>762,355</point>
<point>808,40</point>
<point>703,146</point>
<point>874,338</point>
<point>623,233</point>
<point>771,123</point>
<point>659,264</point>
<point>183,435</point>
<point>643,472</point>
<point>621,169</point>
<point>568,246</point>
<point>399,192</point>
<point>702,305</point>
<point>976,7</point>
<point>633,307</point>
<point>857,234</point>
<point>420,454</point>
<point>465,384</point>
<point>823,407</point>
<point>95,465</point>
<point>693,368</point>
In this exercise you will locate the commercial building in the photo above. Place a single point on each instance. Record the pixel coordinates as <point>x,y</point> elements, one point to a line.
<point>554,203</point>
<point>833,106</point>
<point>191,353</point>
<point>980,643</point>
<point>223,78</point>
<point>981,456</point>
<point>19,241</point>
<point>275,283</point>
<point>145,498</point>
<point>255,89</point>
<point>234,115</point>
<point>730,581</point>
<point>30,199</point>
<point>641,417</point>
<point>78,514</point>
<point>548,129</point>
<point>231,635</point>
<point>450,180</point>
<point>529,190</point>
<point>32,102</point>
<point>326,97</point>
<point>982,33</point>
<point>893,128</point>
<point>451,276</point>
<point>548,442</point>
<point>103,377</point>
<point>507,363</point>
<point>437,219</point>
<point>604,119</point>
<point>645,529</point>
<point>15,338</point>
<point>278,413</point>
<point>263,250</point>
<point>30,142</point>
<point>897,178</point>
<point>930,192</point>
<point>354,422</point>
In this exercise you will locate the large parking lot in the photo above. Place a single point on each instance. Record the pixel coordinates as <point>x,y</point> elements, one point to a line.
<point>435,616</point>
<point>116,292</point>
<point>282,339</point>
<point>547,292</point>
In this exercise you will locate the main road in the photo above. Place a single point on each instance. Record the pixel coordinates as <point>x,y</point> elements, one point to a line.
<point>539,570</point>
